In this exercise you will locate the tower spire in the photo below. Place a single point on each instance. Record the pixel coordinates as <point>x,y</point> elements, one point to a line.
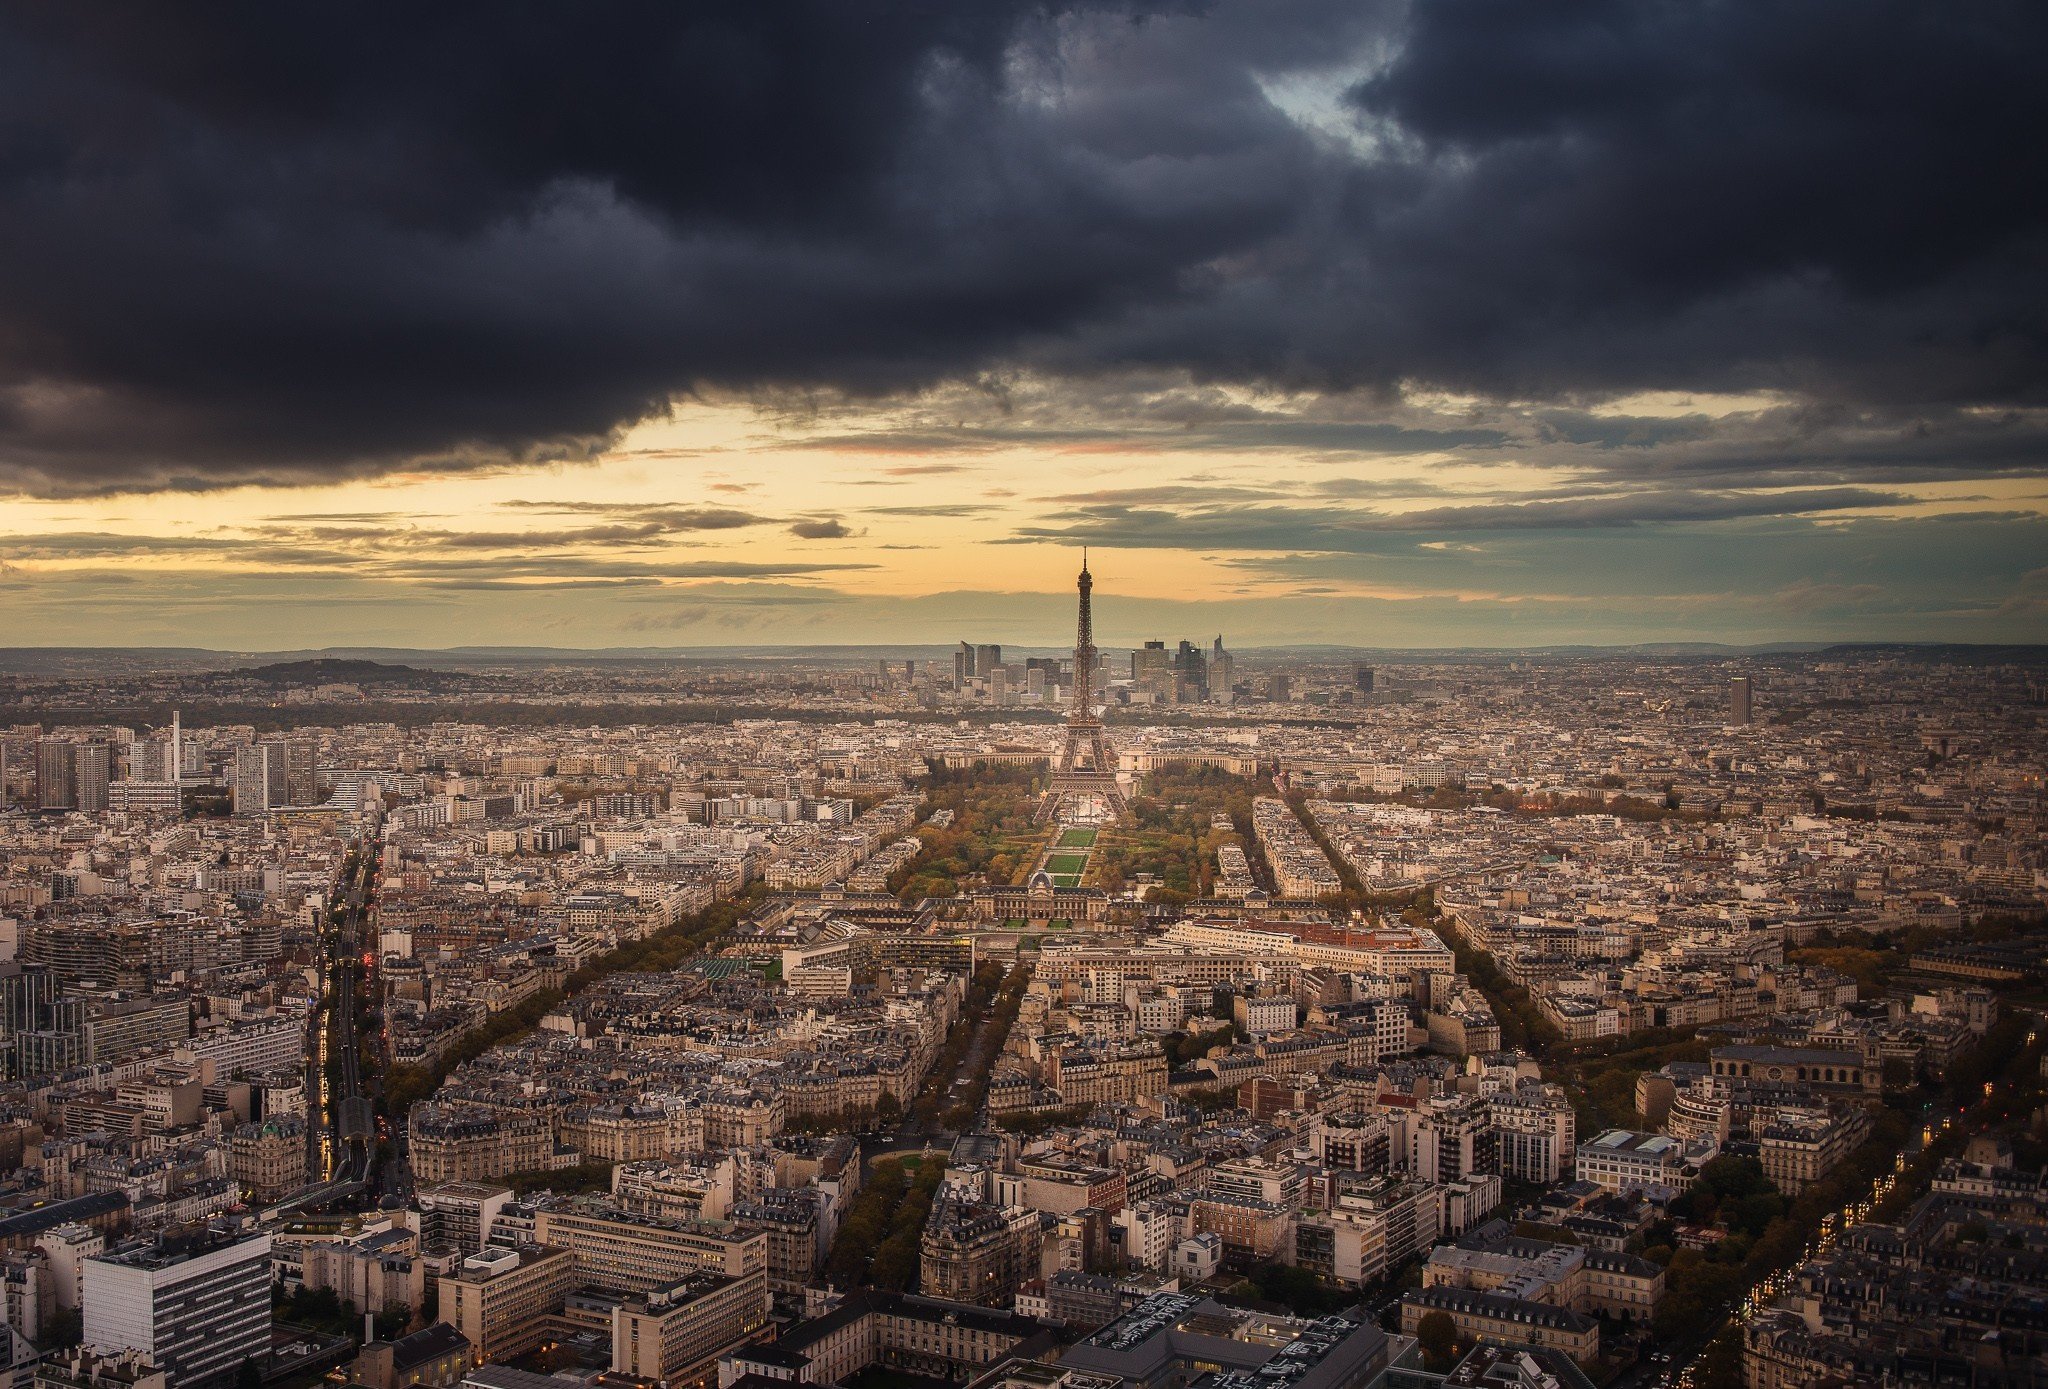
<point>1084,772</point>
<point>1084,644</point>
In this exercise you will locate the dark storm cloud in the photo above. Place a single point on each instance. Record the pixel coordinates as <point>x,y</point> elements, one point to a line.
<point>672,518</point>
<point>1232,526</point>
<point>1829,198</point>
<point>820,528</point>
<point>589,567</point>
<point>930,511</point>
<point>585,557</point>
<point>271,243</point>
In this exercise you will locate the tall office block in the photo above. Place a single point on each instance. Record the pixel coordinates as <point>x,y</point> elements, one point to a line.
<point>301,780</point>
<point>260,782</point>
<point>1222,673</point>
<point>1740,709</point>
<point>197,1305</point>
<point>92,771</point>
<point>56,775</point>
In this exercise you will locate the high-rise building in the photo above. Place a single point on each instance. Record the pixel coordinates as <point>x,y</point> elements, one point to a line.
<point>92,771</point>
<point>1279,689</point>
<point>1150,663</point>
<point>1740,709</point>
<point>1362,678</point>
<point>260,779</point>
<point>301,778</point>
<point>56,774</point>
<point>963,666</point>
<point>986,659</point>
<point>1222,673</point>
<point>26,994</point>
<point>197,1305</point>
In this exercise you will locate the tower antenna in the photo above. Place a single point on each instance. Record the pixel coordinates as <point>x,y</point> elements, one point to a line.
<point>1084,770</point>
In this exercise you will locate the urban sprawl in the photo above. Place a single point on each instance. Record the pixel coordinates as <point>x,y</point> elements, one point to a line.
<point>1135,1020</point>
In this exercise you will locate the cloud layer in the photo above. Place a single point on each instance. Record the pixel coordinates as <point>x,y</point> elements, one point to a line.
<point>265,243</point>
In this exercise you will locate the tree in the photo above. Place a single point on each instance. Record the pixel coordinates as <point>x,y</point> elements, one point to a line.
<point>1438,1336</point>
<point>63,1329</point>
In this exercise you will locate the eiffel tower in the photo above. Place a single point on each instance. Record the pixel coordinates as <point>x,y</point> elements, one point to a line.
<point>1084,773</point>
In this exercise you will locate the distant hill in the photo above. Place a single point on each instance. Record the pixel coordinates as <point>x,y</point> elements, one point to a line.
<point>330,670</point>
<point>1943,653</point>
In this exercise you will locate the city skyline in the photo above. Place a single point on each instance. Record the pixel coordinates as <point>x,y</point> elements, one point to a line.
<point>1385,326</point>
<point>1119,694</point>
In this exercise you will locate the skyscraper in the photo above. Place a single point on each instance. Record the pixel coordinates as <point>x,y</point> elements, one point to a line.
<point>301,777</point>
<point>1191,673</point>
<point>56,775</point>
<point>1740,709</point>
<point>92,770</point>
<point>1362,678</point>
<point>259,782</point>
<point>1222,673</point>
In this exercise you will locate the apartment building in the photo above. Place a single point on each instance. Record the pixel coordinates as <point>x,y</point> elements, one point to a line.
<point>1624,1161</point>
<point>451,1143</point>
<point>676,1333</point>
<point>501,1299</point>
<point>1505,1320</point>
<point>625,1253</point>
<point>1800,1146</point>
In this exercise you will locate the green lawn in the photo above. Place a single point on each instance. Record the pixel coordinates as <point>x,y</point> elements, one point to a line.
<point>1076,839</point>
<point>1066,865</point>
<point>1066,880</point>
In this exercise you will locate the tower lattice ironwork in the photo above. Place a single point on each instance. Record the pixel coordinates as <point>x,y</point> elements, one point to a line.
<point>1084,772</point>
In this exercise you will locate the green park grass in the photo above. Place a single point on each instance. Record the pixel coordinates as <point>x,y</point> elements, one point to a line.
<point>1066,865</point>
